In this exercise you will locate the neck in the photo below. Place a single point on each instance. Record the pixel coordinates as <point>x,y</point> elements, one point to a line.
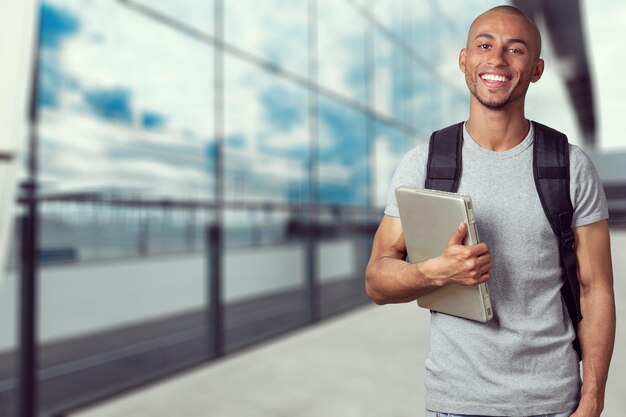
<point>497,130</point>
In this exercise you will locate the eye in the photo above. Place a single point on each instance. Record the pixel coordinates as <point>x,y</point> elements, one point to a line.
<point>484,46</point>
<point>516,51</point>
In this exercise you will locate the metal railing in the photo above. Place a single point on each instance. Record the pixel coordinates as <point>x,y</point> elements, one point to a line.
<point>331,222</point>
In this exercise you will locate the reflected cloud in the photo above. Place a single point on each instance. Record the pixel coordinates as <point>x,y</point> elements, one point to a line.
<point>281,109</point>
<point>104,66</point>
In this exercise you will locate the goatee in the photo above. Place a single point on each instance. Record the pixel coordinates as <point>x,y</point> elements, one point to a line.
<point>493,105</point>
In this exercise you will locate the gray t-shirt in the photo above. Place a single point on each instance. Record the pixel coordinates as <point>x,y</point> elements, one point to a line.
<point>521,362</point>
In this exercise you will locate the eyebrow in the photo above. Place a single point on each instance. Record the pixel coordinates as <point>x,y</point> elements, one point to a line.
<point>512,40</point>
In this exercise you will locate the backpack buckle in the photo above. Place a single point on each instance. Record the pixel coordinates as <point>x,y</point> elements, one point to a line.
<point>568,239</point>
<point>567,234</point>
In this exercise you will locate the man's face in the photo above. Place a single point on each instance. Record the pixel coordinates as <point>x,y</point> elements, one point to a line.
<point>501,59</point>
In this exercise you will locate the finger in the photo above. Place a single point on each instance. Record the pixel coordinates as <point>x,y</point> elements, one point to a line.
<point>484,259</point>
<point>485,269</point>
<point>458,235</point>
<point>477,250</point>
<point>474,251</point>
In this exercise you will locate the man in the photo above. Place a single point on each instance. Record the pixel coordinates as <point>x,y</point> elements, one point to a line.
<point>520,363</point>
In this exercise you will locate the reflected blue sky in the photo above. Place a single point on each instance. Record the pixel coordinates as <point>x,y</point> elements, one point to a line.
<point>266,118</point>
<point>129,101</point>
<point>125,104</point>
<point>56,24</point>
<point>110,104</point>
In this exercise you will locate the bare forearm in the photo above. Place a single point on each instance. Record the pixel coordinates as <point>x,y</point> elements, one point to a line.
<point>391,280</point>
<point>596,333</point>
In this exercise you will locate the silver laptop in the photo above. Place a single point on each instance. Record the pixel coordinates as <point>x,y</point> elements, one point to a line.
<point>429,218</point>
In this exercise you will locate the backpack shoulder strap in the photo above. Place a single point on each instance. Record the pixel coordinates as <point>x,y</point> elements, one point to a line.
<point>443,170</point>
<point>551,173</point>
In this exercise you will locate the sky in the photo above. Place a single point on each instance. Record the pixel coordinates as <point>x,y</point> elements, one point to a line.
<point>126,103</point>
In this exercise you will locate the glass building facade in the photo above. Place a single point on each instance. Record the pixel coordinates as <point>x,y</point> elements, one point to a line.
<point>215,163</point>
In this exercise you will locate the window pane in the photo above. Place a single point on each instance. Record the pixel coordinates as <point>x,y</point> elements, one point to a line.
<point>341,49</point>
<point>80,295</point>
<point>343,160</point>
<point>197,14</point>
<point>264,275</point>
<point>384,74</point>
<point>275,30</point>
<point>388,147</point>
<point>125,133</point>
<point>125,104</point>
<point>266,135</point>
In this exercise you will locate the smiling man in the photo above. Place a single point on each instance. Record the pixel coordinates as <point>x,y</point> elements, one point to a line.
<point>525,361</point>
<point>493,84</point>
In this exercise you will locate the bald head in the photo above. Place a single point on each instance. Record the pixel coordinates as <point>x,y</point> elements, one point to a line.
<point>533,31</point>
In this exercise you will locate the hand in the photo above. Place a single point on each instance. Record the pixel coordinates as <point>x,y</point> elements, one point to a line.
<point>460,264</point>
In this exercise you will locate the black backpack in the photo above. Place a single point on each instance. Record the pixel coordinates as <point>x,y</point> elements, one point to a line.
<point>551,173</point>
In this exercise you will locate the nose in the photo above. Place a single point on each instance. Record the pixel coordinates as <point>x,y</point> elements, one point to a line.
<point>496,58</point>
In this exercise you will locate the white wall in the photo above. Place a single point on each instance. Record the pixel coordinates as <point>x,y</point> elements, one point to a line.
<point>17,26</point>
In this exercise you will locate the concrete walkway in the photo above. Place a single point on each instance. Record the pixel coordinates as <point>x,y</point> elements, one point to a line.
<point>366,363</point>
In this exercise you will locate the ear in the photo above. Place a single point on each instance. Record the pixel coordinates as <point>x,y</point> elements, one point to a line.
<point>462,58</point>
<point>537,70</point>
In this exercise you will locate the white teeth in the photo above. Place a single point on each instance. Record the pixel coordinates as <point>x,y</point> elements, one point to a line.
<point>493,77</point>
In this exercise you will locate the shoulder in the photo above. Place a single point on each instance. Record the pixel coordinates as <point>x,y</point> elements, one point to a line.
<point>586,189</point>
<point>411,170</point>
<point>409,173</point>
<point>415,160</point>
<point>579,160</point>
<point>416,155</point>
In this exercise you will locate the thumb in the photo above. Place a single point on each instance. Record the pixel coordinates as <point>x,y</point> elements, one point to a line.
<point>459,235</point>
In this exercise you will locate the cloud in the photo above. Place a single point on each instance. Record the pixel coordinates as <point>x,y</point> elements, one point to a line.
<point>388,147</point>
<point>341,49</point>
<point>80,152</point>
<point>264,177</point>
<point>49,84</point>
<point>152,96</point>
<point>195,13</point>
<point>268,116</point>
<point>273,29</point>
<point>291,144</point>
<point>56,24</point>
<point>235,141</point>
<point>166,72</point>
<point>344,132</point>
<point>281,109</point>
<point>142,98</point>
<point>117,111</point>
<point>343,161</point>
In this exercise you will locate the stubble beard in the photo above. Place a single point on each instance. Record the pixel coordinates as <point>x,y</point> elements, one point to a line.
<point>472,84</point>
<point>493,105</point>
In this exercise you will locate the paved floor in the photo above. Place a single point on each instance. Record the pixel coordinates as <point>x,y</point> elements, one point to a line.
<point>368,362</point>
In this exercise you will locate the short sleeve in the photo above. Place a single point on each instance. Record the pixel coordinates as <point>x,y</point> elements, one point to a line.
<point>410,173</point>
<point>586,190</point>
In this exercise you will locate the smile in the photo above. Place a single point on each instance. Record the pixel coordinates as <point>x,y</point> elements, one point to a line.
<point>494,77</point>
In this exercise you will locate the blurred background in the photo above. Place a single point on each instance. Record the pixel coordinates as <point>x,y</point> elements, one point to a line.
<point>194,177</point>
